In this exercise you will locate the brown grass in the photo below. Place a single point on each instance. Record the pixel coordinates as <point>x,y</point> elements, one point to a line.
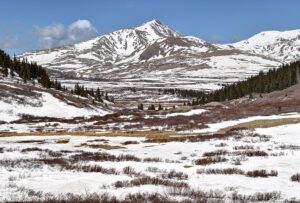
<point>31,141</point>
<point>150,134</point>
<point>62,141</point>
<point>262,124</point>
<point>101,146</point>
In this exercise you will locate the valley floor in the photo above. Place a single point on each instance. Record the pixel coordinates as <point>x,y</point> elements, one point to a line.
<point>241,165</point>
<point>243,150</point>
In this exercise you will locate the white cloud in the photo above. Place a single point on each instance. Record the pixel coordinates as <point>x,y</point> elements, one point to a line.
<point>59,35</point>
<point>9,42</point>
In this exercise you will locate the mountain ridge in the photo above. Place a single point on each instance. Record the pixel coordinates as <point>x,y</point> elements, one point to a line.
<point>153,51</point>
<point>283,45</point>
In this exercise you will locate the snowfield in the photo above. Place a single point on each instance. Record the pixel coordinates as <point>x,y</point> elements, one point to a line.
<point>33,166</point>
<point>46,105</point>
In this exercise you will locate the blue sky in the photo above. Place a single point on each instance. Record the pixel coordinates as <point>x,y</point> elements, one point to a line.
<point>35,24</point>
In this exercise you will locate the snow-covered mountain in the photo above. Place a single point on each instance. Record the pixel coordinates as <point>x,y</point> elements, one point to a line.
<point>102,51</point>
<point>284,46</point>
<point>152,51</point>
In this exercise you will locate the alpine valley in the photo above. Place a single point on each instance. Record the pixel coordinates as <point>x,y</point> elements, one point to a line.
<point>147,114</point>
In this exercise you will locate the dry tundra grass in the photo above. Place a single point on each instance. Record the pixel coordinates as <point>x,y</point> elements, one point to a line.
<point>267,123</point>
<point>150,134</point>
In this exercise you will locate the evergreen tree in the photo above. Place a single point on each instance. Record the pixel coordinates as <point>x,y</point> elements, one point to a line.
<point>151,107</point>
<point>140,106</point>
<point>98,95</point>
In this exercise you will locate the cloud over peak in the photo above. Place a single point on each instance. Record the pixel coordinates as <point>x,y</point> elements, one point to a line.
<point>58,35</point>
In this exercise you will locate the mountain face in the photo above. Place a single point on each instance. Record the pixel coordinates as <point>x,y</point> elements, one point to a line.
<point>283,46</point>
<point>153,51</point>
<point>102,51</point>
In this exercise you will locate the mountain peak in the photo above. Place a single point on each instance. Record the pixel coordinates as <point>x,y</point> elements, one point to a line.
<point>156,27</point>
<point>153,22</point>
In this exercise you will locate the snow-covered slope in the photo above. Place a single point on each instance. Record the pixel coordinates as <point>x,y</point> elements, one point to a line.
<point>284,46</point>
<point>152,51</point>
<point>103,50</point>
<point>19,100</point>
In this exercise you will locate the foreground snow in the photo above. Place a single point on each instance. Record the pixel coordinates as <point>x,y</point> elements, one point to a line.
<point>281,145</point>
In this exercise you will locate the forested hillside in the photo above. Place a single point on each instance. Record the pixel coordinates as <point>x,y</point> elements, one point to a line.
<point>275,79</point>
<point>26,71</point>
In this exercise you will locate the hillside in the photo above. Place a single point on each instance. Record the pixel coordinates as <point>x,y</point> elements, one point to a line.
<point>21,102</point>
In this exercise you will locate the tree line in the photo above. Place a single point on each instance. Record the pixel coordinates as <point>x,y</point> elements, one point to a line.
<point>96,94</point>
<point>25,70</point>
<point>265,82</point>
<point>30,71</point>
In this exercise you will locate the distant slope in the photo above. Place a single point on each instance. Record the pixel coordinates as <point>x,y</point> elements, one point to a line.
<point>284,46</point>
<point>277,79</point>
<point>152,51</point>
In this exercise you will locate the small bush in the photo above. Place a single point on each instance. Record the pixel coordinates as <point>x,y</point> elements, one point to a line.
<point>215,153</point>
<point>98,156</point>
<point>295,177</point>
<point>129,142</point>
<point>261,173</point>
<point>222,144</point>
<point>98,140</point>
<point>225,171</point>
<point>290,147</point>
<point>256,197</point>
<point>175,175</point>
<point>243,147</point>
<point>91,169</point>
<point>155,170</point>
<point>147,180</point>
<point>32,149</point>
<point>155,159</point>
<point>32,141</point>
<point>130,171</point>
<point>210,160</point>
<point>55,161</point>
<point>251,153</point>
<point>62,141</point>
